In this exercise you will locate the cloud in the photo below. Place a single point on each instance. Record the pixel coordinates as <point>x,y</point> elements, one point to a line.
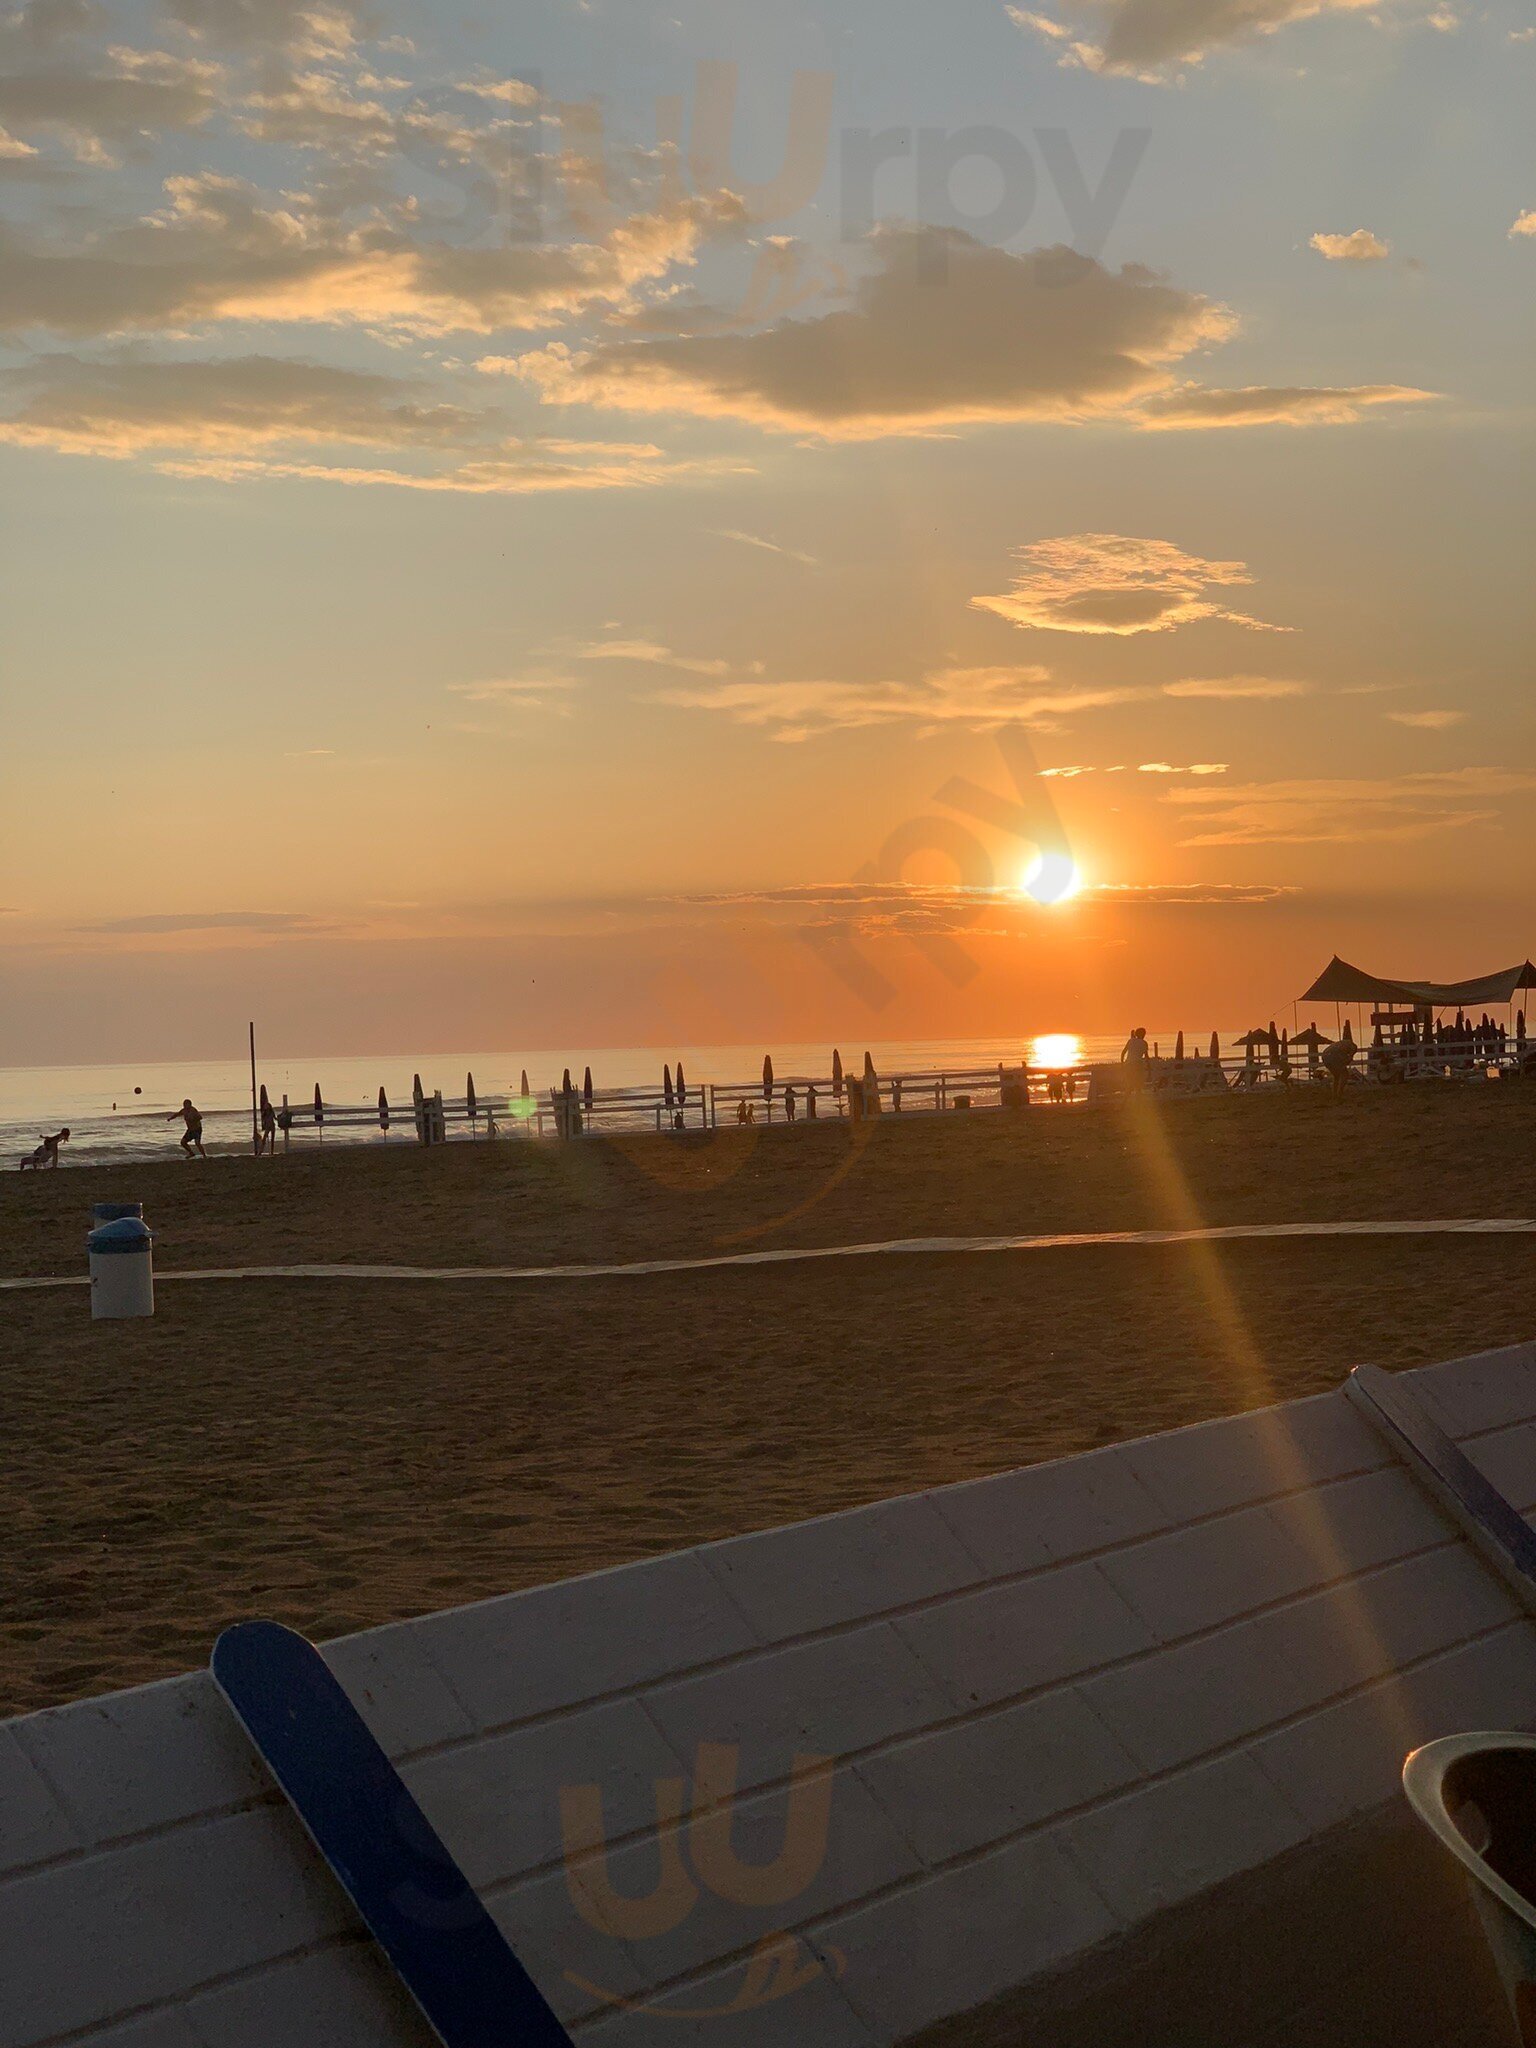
<point>308,26</point>
<point>1142,768</point>
<point>204,419</point>
<point>208,921</point>
<point>124,406</point>
<point>649,651</point>
<point>521,692</point>
<point>1525,224</point>
<point>979,698</point>
<point>1361,246</point>
<point>1345,812</point>
<point>222,250</point>
<point>1235,688</point>
<point>1144,37</point>
<point>1270,405</point>
<point>913,909</point>
<point>1113,583</point>
<point>520,472</point>
<point>1427,721</point>
<point>944,331</point>
<point>755,540</point>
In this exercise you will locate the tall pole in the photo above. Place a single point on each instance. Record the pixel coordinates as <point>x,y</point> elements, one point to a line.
<point>255,1118</point>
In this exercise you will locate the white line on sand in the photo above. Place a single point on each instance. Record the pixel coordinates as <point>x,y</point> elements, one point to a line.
<point>1477,1226</point>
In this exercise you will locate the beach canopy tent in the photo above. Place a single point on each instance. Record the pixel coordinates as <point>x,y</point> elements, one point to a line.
<point>1339,982</point>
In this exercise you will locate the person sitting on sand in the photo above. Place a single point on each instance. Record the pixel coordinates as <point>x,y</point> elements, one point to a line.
<point>47,1153</point>
<point>1134,1059</point>
<point>192,1136</point>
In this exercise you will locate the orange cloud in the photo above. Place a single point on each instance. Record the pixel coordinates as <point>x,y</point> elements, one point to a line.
<point>1113,583</point>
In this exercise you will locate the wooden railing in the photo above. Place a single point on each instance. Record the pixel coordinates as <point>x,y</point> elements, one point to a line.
<point>803,1098</point>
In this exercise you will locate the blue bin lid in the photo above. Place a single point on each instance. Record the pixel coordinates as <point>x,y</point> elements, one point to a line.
<point>128,1235</point>
<point>114,1212</point>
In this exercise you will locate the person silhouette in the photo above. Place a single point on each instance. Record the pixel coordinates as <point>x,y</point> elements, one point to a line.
<point>192,1136</point>
<point>1134,1059</point>
<point>46,1154</point>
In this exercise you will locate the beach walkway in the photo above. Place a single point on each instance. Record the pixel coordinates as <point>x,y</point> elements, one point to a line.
<point>1473,1226</point>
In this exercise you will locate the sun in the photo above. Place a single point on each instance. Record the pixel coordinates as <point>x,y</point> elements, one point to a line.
<point>1052,878</point>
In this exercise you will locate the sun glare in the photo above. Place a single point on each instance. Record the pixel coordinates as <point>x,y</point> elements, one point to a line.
<point>1057,1049</point>
<point>1051,878</point>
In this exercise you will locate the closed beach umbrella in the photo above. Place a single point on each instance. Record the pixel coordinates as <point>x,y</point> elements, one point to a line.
<point>1274,1042</point>
<point>319,1106</point>
<point>871,1084</point>
<point>1178,1049</point>
<point>837,1073</point>
<point>1215,1046</point>
<point>525,1084</point>
<point>1520,1027</point>
<point>383,1111</point>
<point>586,1089</point>
<point>767,1077</point>
<point>1349,1036</point>
<point>565,1085</point>
<point>470,1102</point>
<point>666,1086</point>
<point>682,1088</point>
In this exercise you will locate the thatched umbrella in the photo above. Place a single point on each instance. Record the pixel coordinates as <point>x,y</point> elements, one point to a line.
<point>666,1086</point>
<point>1312,1038</point>
<point>837,1073</point>
<point>767,1077</point>
<point>383,1111</point>
<point>586,1090</point>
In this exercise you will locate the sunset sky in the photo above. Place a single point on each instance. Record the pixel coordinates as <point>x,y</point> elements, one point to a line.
<point>606,525</point>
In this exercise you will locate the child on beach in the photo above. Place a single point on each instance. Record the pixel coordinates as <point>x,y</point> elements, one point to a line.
<point>192,1136</point>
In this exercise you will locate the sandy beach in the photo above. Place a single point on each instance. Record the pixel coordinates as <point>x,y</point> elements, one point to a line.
<point>339,1453</point>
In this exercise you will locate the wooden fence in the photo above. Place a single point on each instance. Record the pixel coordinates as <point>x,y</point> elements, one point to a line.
<point>804,1098</point>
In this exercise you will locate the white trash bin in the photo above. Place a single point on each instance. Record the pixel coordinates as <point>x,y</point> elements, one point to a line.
<point>122,1270</point>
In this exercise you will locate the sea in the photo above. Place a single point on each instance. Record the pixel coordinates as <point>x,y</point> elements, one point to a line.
<point>131,1111</point>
